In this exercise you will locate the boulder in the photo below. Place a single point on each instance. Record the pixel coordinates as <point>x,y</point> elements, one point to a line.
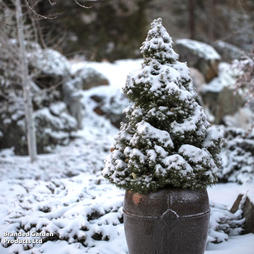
<point>227,51</point>
<point>83,79</point>
<point>243,118</point>
<point>220,97</point>
<point>228,102</point>
<point>47,61</point>
<point>89,77</point>
<point>72,98</point>
<point>248,212</point>
<point>198,79</point>
<point>111,107</point>
<point>199,55</point>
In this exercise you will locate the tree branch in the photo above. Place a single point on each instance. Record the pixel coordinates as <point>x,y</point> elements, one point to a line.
<point>37,14</point>
<point>83,6</point>
<point>52,3</point>
<point>50,88</point>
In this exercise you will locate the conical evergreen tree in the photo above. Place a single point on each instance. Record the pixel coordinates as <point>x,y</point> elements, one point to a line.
<point>167,140</point>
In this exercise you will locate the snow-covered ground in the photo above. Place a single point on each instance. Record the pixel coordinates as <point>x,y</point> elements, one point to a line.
<point>61,204</point>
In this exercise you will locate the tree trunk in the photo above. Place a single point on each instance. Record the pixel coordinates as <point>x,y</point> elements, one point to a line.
<point>211,20</point>
<point>192,18</point>
<point>31,138</point>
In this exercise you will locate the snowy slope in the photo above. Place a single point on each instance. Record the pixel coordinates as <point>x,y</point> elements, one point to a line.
<point>64,194</point>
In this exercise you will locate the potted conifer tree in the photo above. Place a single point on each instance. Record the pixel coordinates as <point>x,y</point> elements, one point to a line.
<point>164,156</point>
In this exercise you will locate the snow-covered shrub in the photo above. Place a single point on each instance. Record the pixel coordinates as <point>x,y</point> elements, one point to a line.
<point>49,69</point>
<point>237,156</point>
<point>223,223</point>
<point>62,210</point>
<point>167,140</point>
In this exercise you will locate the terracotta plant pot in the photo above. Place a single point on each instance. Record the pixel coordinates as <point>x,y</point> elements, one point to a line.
<point>169,221</point>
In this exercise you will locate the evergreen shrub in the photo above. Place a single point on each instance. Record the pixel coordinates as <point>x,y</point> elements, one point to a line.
<point>167,141</point>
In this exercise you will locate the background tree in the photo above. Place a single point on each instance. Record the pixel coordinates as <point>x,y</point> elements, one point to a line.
<point>26,84</point>
<point>14,64</point>
<point>229,20</point>
<point>19,32</point>
<point>109,30</point>
<point>192,18</point>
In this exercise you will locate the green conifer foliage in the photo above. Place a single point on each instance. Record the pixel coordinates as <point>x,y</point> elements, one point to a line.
<point>167,141</point>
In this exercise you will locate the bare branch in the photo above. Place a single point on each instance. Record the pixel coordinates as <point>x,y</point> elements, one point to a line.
<point>7,24</point>
<point>83,6</point>
<point>50,88</point>
<point>52,3</point>
<point>37,14</point>
<point>39,31</point>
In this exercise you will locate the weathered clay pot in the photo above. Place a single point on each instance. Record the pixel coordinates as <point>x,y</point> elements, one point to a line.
<point>169,221</point>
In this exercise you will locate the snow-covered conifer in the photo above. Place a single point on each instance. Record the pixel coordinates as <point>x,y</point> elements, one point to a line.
<point>167,140</point>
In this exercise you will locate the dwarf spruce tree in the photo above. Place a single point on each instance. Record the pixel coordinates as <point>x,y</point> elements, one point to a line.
<point>167,141</point>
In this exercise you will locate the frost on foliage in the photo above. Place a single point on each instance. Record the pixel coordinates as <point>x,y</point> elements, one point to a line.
<point>48,61</point>
<point>237,156</point>
<point>224,223</point>
<point>167,140</point>
<point>86,212</point>
<point>66,210</point>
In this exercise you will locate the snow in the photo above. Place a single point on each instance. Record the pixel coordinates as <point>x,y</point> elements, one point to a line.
<point>204,50</point>
<point>57,108</point>
<point>226,78</point>
<point>116,72</point>
<point>227,194</point>
<point>49,61</point>
<point>146,130</point>
<point>64,193</point>
<point>235,245</point>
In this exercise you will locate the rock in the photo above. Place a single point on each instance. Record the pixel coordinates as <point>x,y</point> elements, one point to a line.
<point>198,79</point>
<point>228,103</point>
<point>227,51</point>
<point>57,108</point>
<point>220,97</point>
<point>89,78</point>
<point>51,69</point>
<point>199,55</point>
<point>47,61</point>
<point>243,118</point>
<point>72,98</point>
<point>111,107</point>
<point>248,213</point>
<point>83,79</point>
